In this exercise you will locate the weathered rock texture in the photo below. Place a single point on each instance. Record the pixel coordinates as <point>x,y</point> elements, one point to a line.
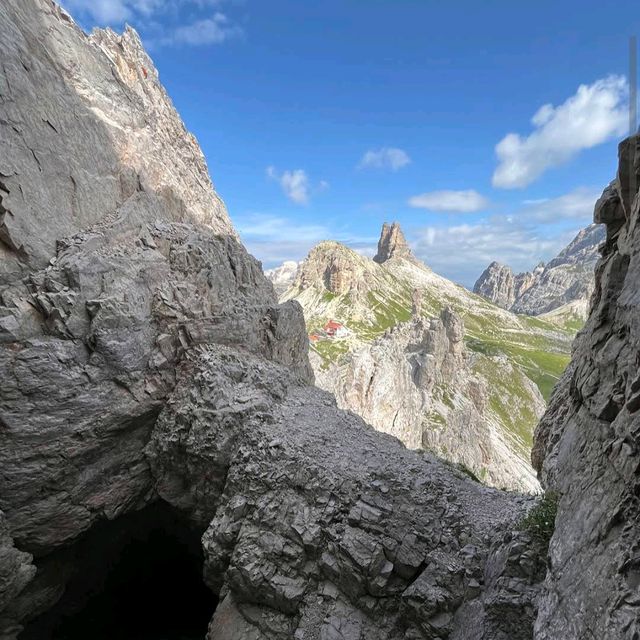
<point>497,284</point>
<point>587,444</point>
<point>392,244</point>
<point>565,280</point>
<point>143,357</point>
<point>417,382</point>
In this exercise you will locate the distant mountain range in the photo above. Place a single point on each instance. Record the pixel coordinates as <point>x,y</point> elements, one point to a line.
<point>426,360</point>
<point>563,286</point>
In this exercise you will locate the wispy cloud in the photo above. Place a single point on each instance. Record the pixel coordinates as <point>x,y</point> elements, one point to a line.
<point>164,17</point>
<point>450,201</point>
<point>214,30</point>
<point>462,252</point>
<point>386,158</point>
<point>576,205</point>
<point>274,239</point>
<point>296,184</point>
<point>594,114</point>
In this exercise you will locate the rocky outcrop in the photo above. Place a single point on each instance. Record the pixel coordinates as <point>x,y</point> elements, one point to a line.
<point>586,446</point>
<point>283,277</point>
<point>101,88</point>
<point>497,284</point>
<point>565,280</point>
<point>331,263</point>
<point>320,527</point>
<point>392,244</point>
<point>144,359</point>
<point>417,382</point>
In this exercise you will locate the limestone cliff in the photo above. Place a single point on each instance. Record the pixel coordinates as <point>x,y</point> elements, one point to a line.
<point>392,244</point>
<point>586,446</point>
<point>144,360</point>
<point>421,384</point>
<point>497,284</point>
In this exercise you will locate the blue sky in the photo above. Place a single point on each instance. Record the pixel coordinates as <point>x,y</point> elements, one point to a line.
<point>487,129</point>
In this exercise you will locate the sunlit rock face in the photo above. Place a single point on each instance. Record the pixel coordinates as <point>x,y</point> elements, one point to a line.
<point>497,284</point>
<point>586,446</point>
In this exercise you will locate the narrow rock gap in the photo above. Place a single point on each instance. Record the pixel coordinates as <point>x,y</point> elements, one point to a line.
<point>138,577</point>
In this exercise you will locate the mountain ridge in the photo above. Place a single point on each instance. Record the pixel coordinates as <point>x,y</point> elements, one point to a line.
<point>378,302</point>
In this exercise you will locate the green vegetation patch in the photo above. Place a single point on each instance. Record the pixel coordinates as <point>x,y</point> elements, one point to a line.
<point>541,519</point>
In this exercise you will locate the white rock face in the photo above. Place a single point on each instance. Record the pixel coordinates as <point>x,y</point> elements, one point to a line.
<point>136,138</point>
<point>417,383</point>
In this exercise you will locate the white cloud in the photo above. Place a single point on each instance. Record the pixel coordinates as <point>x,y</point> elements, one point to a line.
<point>214,30</point>
<point>576,205</point>
<point>385,158</point>
<point>462,252</point>
<point>296,184</point>
<point>274,239</point>
<point>450,201</point>
<point>596,113</point>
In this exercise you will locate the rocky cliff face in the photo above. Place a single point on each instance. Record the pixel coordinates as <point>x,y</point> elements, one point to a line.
<point>418,382</point>
<point>392,244</point>
<point>497,284</point>
<point>565,280</point>
<point>586,446</point>
<point>144,360</point>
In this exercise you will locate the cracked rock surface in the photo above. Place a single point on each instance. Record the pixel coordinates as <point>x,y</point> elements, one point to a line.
<point>586,446</point>
<point>143,357</point>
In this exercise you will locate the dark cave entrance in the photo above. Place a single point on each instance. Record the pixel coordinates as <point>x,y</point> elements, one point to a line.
<point>138,577</point>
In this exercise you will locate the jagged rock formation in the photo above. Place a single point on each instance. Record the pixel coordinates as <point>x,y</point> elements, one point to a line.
<point>497,284</point>
<point>144,358</point>
<point>586,446</point>
<point>565,280</point>
<point>392,244</point>
<point>479,411</point>
<point>417,382</point>
<point>282,277</point>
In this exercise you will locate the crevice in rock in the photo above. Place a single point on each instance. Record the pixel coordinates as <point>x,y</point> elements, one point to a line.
<point>137,577</point>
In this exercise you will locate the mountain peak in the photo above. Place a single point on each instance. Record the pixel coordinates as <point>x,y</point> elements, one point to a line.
<point>392,243</point>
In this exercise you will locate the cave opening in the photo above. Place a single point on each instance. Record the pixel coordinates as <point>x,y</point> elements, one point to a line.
<point>138,577</point>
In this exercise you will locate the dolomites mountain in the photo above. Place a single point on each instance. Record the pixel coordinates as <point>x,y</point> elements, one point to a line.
<point>427,361</point>
<point>146,364</point>
<point>565,280</point>
<point>419,383</point>
<point>392,244</point>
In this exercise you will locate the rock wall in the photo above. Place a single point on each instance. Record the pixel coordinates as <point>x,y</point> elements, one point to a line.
<point>586,446</point>
<point>392,244</point>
